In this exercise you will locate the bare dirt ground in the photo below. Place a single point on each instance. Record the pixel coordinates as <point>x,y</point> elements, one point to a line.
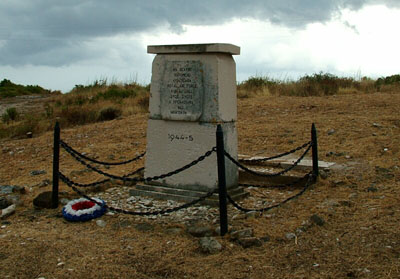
<point>360,205</point>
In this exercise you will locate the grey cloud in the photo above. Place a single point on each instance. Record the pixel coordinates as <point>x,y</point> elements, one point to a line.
<point>31,31</point>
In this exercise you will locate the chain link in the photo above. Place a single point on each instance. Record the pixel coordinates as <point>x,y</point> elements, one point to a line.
<point>101,181</point>
<point>310,179</point>
<point>70,150</point>
<point>273,174</point>
<point>276,156</point>
<point>70,183</point>
<point>147,179</point>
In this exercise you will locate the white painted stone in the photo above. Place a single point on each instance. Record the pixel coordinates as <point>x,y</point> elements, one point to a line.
<point>173,144</point>
<point>218,82</point>
<point>193,89</point>
<point>197,48</point>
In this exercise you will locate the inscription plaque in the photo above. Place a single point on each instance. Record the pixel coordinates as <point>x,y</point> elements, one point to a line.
<point>182,91</point>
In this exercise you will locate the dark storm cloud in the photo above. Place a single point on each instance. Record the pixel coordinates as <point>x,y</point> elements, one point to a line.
<point>51,32</point>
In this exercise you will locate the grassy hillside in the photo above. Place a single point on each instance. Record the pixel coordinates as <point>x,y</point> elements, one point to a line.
<point>9,89</point>
<point>102,101</point>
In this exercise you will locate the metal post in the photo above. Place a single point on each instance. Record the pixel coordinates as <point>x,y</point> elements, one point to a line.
<point>314,150</point>
<point>222,181</point>
<point>56,157</point>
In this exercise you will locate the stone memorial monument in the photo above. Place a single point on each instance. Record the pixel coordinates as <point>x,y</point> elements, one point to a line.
<point>193,89</point>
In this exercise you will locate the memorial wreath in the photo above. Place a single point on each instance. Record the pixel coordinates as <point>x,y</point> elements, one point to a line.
<point>83,209</point>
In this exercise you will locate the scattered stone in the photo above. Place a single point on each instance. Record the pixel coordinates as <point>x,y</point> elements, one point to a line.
<point>44,183</point>
<point>8,189</point>
<point>8,211</point>
<point>290,236</point>
<point>4,203</point>
<point>200,231</point>
<point>323,174</point>
<point>317,220</point>
<point>331,132</point>
<point>372,189</point>
<point>209,245</point>
<point>376,125</point>
<point>60,264</point>
<point>43,200</point>
<point>29,135</point>
<point>38,172</point>
<point>144,227</point>
<point>101,223</point>
<point>242,234</point>
<point>347,157</point>
<point>248,242</point>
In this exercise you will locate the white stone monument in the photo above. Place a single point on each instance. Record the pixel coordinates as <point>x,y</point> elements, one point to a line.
<point>193,89</point>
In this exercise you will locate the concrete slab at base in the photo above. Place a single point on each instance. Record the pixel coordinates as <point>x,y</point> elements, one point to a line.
<point>173,144</point>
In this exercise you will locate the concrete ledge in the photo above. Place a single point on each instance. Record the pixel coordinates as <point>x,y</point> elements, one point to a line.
<point>194,48</point>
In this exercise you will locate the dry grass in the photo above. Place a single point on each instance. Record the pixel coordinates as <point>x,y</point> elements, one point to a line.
<point>359,240</point>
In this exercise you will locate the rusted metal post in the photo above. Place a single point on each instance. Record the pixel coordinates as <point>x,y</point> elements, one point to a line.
<point>223,212</point>
<point>56,163</point>
<point>314,142</point>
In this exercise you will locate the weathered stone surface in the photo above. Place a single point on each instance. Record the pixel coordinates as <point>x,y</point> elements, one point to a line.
<point>8,189</point>
<point>173,144</point>
<point>209,245</point>
<point>38,172</point>
<point>8,211</point>
<point>200,231</point>
<point>317,220</point>
<point>43,200</point>
<point>242,234</point>
<point>248,242</point>
<point>101,223</point>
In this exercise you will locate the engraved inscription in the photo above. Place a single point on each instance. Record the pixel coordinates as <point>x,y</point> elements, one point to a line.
<point>180,137</point>
<point>182,91</point>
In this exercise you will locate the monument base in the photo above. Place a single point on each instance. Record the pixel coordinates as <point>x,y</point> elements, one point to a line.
<point>176,194</point>
<point>174,144</point>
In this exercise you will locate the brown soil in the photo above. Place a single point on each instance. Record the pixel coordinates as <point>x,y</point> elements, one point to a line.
<point>360,205</point>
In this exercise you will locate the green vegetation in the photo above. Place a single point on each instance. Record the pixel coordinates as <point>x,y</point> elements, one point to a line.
<point>101,101</point>
<point>9,89</point>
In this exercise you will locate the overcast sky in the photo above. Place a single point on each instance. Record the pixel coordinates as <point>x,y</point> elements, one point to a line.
<point>58,44</point>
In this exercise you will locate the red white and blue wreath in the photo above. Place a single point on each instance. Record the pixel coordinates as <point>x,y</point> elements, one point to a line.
<point>83,209</point>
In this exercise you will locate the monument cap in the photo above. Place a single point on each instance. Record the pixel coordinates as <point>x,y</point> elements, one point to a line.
<point>194,48</point>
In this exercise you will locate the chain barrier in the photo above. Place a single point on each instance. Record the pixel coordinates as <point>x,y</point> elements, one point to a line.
<point>272,186</point>
<point>273,174</point>
<point>70,150</point>
<point>71,184</point>
<point>310,179</point>
<point>93,184</point>
<point>147,179</point>
<point>276,156</point>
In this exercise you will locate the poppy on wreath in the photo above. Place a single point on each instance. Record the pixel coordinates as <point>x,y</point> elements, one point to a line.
<point>83,209</point>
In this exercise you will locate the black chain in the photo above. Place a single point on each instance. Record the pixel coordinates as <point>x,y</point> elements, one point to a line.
<point>147,179</point>
<point>123,211</point>
<point>276,156</point>
<point>267,174</point>
<point>101,181</point>
<point>70,150</point>
<point>308,183</point>
<point>272,186</point>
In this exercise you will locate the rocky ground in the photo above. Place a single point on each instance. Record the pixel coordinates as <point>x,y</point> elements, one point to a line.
<point>344,226</point>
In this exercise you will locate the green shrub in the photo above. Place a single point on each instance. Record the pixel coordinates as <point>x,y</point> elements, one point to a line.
<point>11,114</point>
<point>77,116</point>
<point>115,92</point>
<point>109,113</point>
<point>319,84</point>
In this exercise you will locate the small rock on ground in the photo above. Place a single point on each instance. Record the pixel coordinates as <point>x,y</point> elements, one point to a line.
<point>209,245</point>
<point>317,220</point>
<point>200,231</point>
<point>248,242</point>
<point>144,227</point>
<point>242,234</point>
